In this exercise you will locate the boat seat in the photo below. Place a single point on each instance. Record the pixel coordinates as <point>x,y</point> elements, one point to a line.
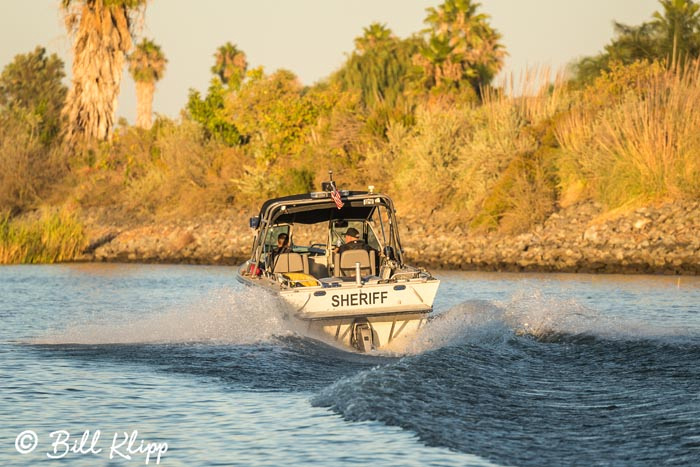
<point>345,265</point>
<point>291,262</point>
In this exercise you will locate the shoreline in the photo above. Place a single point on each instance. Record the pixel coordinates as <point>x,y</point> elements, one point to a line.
<point>578,239</point>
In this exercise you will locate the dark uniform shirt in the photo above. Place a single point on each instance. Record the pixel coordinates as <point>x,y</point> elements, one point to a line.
<point>354,245</point>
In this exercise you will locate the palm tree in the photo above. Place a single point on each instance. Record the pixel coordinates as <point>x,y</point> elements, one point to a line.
<point>381,72</point>
<point>672,35</point>
<point>230,66</point>
<point>434,58</point>
<point>102,37</point>
<point>678,27</point>
<point>462,46</point>
<point>373,35</point>
<point>146,65</point>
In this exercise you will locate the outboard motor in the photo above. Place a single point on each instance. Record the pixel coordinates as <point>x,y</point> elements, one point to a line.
<point>362,337</point>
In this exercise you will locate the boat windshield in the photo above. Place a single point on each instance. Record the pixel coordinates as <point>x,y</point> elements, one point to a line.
<point>271,237</point>
<point>339,227</point>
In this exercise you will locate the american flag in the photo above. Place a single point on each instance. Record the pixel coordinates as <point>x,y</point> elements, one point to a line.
<point>336,198</point>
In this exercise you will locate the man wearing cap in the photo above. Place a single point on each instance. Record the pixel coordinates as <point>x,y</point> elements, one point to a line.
<point>353,241</point>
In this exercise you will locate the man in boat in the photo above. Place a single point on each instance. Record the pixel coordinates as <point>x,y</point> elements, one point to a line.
<point>353,242</point>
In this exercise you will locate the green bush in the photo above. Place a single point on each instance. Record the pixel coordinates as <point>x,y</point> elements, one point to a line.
<point>50,238</point>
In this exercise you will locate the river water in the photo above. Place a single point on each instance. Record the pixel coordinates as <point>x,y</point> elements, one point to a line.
<point>516,369</point>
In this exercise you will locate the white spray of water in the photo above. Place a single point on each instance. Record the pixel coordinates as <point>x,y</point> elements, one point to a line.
<point>470,321</point>
<point>532,313</point>
<point>251,316</point>
<point>527,313</point>
<point>233,317</point>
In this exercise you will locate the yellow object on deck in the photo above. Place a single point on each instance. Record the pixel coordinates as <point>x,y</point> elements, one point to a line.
<point>300,279</point>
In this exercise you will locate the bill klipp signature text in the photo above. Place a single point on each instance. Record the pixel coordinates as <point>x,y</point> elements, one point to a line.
<point>125,445</point>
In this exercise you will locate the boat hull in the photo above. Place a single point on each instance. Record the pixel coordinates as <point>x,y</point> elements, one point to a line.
<point>391,310</point>
<point>385,329</point>
<point>346,312</point>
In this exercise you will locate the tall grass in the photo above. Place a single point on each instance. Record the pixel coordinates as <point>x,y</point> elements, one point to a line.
<point>28,167</point>
<point>51,238</point>
<point>484,165</point>
<point>642,143</point>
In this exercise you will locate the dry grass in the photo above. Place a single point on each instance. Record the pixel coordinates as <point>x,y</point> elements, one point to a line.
<point>643,143</point>
<point>27,167</point>
<point>506,163</point>
<point>489,163</point>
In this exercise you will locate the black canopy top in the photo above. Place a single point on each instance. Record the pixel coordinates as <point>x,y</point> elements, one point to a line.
<point>305,209</point>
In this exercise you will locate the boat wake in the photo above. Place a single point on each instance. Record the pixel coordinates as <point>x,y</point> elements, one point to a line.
<point>243,317</point>
<point>522,367</point>
<point>529,314</point>
<point>226,317</point>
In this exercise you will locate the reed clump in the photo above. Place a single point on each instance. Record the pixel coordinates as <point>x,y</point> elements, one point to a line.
<point>48,238</point>
<point>488,165</point>
<point>634,137</point>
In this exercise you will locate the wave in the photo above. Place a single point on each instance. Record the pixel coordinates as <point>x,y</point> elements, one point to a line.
<point>533,315</point>
<point>531,380</point>
<point>226,317</point>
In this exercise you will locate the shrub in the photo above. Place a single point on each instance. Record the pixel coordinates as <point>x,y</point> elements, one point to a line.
<point>50,238</point>
<point>643,143</point>
<point>29,168</point>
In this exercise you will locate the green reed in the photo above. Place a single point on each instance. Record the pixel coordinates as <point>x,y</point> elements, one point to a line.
<point>51,238</point>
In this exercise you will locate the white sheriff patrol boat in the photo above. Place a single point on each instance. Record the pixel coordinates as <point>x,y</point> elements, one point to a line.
<point>336,258</point>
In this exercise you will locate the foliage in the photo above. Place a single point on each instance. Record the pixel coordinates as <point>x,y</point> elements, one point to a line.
<point>169,170</point>
<point>490,165</point>
<point>642,143</point>
<point>51,238</point>
<point>672,36</point>
<point>147,62</point>
<point>30,169</point>
<point>231,65</point>
<point>211,114</point>
<point>381,73</point>
<point>374,35</point>
<point>31,85</point>
<point>277,117</point>
<point>462,49</point>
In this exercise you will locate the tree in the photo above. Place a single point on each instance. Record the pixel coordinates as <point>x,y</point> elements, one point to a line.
<point>678,28</point>
<point>210,113</point>
<point>381,67</point>
<point>146,65</point>
<point>31,85</point>
<point>230,66</point>
<point>273,114</point>
<point>375,34</point>
<point>462,49</point>
<point>673,36</point>
<point>102,37</point>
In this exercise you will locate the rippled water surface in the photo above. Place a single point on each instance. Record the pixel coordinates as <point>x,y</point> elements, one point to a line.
<point>515,369</point>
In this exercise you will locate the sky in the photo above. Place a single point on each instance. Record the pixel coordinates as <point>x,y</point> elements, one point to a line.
<point>312,38</point>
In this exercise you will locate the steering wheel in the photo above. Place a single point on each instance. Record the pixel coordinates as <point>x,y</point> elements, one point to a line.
<point>320,247</point>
